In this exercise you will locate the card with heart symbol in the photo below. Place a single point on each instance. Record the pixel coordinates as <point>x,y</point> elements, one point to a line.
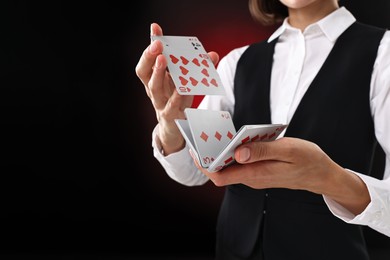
<point>190,66</point>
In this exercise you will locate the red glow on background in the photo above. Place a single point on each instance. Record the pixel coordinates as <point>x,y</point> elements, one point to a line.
<point>221,27</point>
<point>225,37</point>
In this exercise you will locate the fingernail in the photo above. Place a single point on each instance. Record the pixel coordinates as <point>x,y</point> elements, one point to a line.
<point>157,63</point>
<point>244,154</point>
<point>151,29</point>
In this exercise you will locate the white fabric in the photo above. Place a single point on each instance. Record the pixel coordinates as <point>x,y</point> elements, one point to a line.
<point>296,62</point>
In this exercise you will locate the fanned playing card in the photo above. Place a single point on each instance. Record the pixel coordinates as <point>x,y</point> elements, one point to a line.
<point>211,131</point>
<point>212,137</point>
<point>191,68</point>
<point>247,133</point>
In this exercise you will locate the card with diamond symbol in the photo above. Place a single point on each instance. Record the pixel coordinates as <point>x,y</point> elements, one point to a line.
<point>212,136</point>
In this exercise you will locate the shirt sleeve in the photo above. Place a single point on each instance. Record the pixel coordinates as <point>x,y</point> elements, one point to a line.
<point>377,213</point>
<point>180,165</point>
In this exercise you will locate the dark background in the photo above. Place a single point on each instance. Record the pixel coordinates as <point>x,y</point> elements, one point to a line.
<point>77,174</point>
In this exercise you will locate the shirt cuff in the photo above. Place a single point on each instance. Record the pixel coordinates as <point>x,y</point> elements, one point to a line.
<point>159,151</point>
<point>376,214</point>
<point>179,165</point>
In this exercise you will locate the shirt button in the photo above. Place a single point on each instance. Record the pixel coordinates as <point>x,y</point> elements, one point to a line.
<point>266,194</point>
<point>264,211</point>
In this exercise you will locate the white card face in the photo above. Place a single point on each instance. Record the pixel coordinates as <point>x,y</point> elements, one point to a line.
<point>211,131</point>
<point>186,132</point>
<point>248,133</point>
<point>191,68</point>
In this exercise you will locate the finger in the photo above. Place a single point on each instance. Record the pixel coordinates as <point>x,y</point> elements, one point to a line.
<point>257,175</point>
<point>144,68</point>
<point>156,84</point>
<point>155,29</point>
<point>214,57</point>
<point>196,159</point>
<point>280,149</point>
<point>213,176</point>
<point>226,176</point>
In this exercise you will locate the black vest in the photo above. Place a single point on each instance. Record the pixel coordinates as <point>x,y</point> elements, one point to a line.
<point>334,113</point>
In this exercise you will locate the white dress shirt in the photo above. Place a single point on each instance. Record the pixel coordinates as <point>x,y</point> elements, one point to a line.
<point>297,60</point>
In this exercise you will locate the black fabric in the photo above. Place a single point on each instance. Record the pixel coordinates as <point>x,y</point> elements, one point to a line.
<point>278,224</point>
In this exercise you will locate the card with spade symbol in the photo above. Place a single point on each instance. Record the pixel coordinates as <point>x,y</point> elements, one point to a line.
<point>191,68</point>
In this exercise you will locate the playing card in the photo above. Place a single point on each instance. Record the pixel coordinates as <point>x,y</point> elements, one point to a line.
<point>186,133</point>
<point>212,137</point>
<point>247,133</point>
<point>191,68</point>
<point>211,131</point>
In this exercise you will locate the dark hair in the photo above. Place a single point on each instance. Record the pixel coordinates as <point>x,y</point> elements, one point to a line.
<point>268,12</point>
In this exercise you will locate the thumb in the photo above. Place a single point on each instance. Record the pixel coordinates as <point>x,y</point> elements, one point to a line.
<point>214,57</point>
<point>155,29</point>
<point>262,151</point>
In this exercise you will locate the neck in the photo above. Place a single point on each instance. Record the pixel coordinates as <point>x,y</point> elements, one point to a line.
<point>302,17</point>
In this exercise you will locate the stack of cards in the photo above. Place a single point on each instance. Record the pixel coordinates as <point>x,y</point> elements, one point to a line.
<point>212,137</point>
<point>191,68</point>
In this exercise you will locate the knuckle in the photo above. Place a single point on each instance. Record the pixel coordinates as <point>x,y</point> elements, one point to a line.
<point>259,150</point>
<point>140,72</point>
<point>290,146</point>
<point>218,181</point>
<point>140,68</point>
<point>299,148</point>
<point>163,114</point>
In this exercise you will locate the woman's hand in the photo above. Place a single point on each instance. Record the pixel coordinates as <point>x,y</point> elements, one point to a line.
<point>293,163</point>
<point>168,104</point>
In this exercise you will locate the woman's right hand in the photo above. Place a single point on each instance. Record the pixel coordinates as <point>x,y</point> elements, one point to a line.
<point>167,102</point>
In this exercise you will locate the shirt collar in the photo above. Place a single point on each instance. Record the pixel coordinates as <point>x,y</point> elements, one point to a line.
<point>340,17</point>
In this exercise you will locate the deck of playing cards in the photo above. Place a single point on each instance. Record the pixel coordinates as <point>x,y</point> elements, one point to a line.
<point>212,137</point>
<point>191,68</point>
